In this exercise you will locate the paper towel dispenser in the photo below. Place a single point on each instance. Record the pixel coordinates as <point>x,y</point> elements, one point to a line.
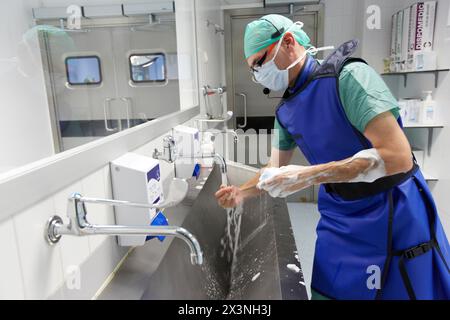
<point>135,178</point>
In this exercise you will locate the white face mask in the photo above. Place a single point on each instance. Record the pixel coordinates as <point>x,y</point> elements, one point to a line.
<point>269,76</point>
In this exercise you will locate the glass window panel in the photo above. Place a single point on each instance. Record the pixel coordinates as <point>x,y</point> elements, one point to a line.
<point>148,68</point>
<point>83,70</point>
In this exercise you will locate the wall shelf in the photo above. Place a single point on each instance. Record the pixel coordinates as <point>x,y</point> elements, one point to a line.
<point>430,128</point>
<point>426,126</point>
<point>406,73</point>
<point>428,177</point>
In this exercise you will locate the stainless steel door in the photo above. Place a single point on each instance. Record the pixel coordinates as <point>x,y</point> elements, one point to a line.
<point>147,100</point>
<point>258,104</point>
<point>85,112</point>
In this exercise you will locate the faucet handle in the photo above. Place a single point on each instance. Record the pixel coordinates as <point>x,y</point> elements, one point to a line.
<point>168,141</point>
<point>156,153</point>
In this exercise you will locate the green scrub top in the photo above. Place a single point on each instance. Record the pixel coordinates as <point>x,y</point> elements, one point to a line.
<point>364,95</point>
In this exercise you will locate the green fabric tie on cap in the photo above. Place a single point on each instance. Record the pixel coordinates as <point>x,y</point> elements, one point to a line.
<point>261,33</point>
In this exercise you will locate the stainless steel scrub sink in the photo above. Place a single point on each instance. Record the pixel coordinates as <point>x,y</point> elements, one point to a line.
<point>266,247</point>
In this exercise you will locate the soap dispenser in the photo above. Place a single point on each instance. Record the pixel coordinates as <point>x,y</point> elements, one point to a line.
<point>429,111</point>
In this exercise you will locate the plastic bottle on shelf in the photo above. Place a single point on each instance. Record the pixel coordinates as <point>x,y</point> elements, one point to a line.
<point>425,60</point>
<point>429,112</point>
<point>413,111</point>
<point>402,104</point>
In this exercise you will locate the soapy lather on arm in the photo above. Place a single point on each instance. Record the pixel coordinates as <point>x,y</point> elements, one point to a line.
<point>287,180</point>
<point>391,154</point>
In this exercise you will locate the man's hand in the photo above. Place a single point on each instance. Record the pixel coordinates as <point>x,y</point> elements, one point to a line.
<point>229,196</point>
<point>232,196</point>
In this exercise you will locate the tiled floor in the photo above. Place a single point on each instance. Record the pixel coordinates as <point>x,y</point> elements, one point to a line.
<point>304,218</point>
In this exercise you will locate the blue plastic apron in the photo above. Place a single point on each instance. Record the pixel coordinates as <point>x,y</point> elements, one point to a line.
<point>390,225</point>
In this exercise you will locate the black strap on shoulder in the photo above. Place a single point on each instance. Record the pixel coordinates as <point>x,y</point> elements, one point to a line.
<point>351,60</point>
<point>334,63</point>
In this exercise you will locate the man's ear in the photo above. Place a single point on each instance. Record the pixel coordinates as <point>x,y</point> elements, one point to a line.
<point>288,40</point>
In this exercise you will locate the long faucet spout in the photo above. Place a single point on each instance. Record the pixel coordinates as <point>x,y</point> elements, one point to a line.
<point>116,230</point>
<point>218,159</point>
<point>79,225</point>
<point>222,162</point>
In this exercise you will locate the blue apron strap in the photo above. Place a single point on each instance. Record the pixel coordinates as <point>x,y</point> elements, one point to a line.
<point>411,254</point>
<point>405,278</point>
<point>387,263</point>
<point>432,219</point>
<point>417,251</point>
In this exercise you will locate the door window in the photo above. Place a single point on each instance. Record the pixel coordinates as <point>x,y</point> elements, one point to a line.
<point>83,70</point>
<point>148,68</point>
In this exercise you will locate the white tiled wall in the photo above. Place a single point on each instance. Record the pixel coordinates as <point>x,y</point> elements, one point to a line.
<point>11,278</point>
<point>36,270</point>
<point>340,21</point>
<point>211,61</point>
<point>41,264</point>
<point>26,136</point>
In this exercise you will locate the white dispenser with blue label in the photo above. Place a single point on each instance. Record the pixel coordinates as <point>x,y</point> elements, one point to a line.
<point>187,144</point>
<point>135,178</point>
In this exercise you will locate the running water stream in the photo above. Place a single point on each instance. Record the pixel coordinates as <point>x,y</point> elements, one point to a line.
<point>232,242</point>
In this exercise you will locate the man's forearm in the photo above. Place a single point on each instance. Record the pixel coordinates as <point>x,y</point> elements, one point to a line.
<point>249,188</point>
<point>336,171</point>
<point>332,172</point>
<point>295,178</point>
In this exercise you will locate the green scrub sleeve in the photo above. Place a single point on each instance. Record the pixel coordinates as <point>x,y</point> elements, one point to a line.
<point>281,139</point>
<point>364,95</point>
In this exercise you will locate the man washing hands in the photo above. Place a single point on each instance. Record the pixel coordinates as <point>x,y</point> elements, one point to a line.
<point>283,181</point>
<point>376,207</point>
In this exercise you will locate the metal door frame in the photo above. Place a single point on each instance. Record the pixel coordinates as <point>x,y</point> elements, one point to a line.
<point>50,89</point>
<point>88,24</point>
<point>285,10</point>
<point>50,84</point>
<point>47,65</point>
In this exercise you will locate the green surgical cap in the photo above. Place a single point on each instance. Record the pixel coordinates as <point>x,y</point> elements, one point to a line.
<point>258,34</point>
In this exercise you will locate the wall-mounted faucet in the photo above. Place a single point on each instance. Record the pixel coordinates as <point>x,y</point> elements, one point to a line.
<point>208,91</point>
<point>170,155</point>
<point>217,28</point>
<point>218,159</point>
<point>79,226</point>
<point>226,118</point>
